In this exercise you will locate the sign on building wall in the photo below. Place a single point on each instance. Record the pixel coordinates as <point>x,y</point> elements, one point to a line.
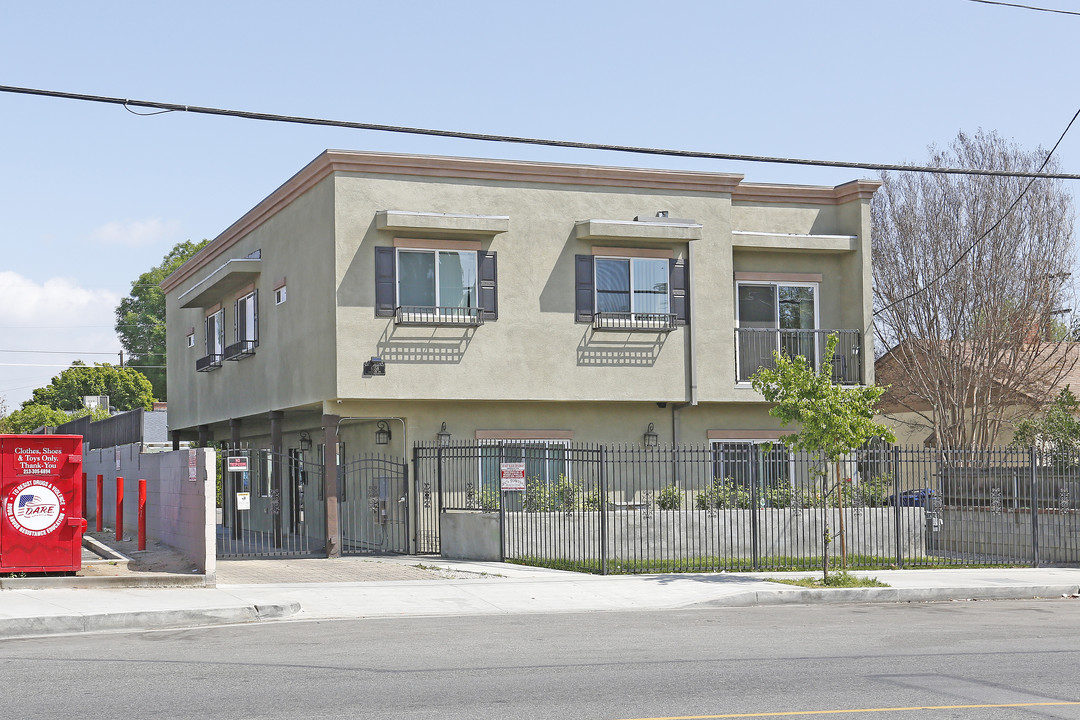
<point>192,466</point>
<point>512,475</point>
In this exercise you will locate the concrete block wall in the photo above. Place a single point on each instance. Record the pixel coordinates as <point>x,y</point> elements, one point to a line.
<point>180,511</point>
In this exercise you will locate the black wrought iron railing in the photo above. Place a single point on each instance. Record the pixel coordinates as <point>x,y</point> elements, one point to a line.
<point>754,348</point>
<point>241,350</point>
<point>208,363</point>
<point>438,315</point>
<point>656,322</point>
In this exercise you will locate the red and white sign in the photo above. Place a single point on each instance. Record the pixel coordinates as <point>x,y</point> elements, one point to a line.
<point>238,464</point>
<point>192,466</point>
<point>35,507</point>
<point>512,475</point>
<point>37,461</point>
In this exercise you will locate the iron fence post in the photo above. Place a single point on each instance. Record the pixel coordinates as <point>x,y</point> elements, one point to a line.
<point>502,509</point>
<point>898,519</point>
<point>603,512</point>
<point>755,527</point>
<point>415,538</point>
<point>1034,510</point>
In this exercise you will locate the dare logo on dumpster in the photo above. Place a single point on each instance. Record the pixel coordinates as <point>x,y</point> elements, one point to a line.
<point>35,507</point>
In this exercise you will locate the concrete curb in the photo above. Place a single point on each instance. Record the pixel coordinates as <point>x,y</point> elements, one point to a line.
<point>98,582</point>
<point>823,596</point>
<point>142,620</point>
<point>107,554</point>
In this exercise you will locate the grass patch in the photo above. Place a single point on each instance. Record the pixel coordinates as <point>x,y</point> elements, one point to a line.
<point>835,580</point>
<point>713,564</point>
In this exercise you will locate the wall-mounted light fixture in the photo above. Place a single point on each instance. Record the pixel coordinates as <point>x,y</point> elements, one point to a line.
<point>651,438</point>
<point>382,433</point>
<point>305,441</point>
<point>443,435</point>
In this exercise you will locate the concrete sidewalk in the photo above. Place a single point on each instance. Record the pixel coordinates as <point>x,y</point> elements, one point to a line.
<point>397,587</point>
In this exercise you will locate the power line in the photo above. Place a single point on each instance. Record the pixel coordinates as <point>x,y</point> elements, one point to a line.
<point>993,227</point>
<point>462,135</point>
<point>1027,7</point>
<point>72,352</point>
<point>87,367</point>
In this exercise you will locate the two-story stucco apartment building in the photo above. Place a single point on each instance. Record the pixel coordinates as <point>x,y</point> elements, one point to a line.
<point>511,300</point>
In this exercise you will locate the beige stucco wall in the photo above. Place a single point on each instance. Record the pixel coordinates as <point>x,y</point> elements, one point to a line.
<point>293,365</point>
<point>534,364</point>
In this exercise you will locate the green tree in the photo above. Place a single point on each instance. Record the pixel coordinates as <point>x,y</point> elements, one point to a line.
<point>31,417</point>
<point>833,420</point>
<point>1056,433</point>
<point>140,317</point>
<point>127,388</point>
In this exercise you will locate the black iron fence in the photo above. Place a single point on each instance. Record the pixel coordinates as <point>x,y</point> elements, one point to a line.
<point>271,505</point>
<point>744,506</point>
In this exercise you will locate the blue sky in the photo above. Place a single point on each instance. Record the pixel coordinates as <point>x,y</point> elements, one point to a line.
<point>92,195</point>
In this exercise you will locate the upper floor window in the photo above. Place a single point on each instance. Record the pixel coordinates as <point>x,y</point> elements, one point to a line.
<point>436,283</point>
<point>280,295</point>
<point>246,337</point>
<point>442,281</point>
<point>631,293</point>
<point>215,342</point>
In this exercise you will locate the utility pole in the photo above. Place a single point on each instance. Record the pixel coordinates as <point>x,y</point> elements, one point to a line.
<point>121,358</point>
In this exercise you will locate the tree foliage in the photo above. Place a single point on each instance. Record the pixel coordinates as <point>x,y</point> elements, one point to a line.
<point>140,317</point>
<point>994,254</point>
<point>127,388</point>
<point>832,419</point>
<point>1056,432</point>
<point>30,417</point>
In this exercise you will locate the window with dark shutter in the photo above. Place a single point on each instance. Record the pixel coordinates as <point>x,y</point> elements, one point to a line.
<point>489,293</point>
<point>680,305</point>
<point>385,292</point>
<point>583,288</point>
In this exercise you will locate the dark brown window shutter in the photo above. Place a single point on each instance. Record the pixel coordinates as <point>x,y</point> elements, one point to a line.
<point>488,274</point>
<point>680,305</point>
<point>583,288</point>
<point>384,282</point>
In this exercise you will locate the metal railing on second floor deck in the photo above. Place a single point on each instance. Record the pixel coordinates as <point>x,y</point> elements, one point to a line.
<point>754,348</point>
<point>631,321</point>
<point>438,315</point>
<point>208,363</point>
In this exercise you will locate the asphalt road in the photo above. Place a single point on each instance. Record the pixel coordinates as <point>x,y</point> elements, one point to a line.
<point>960,658</point>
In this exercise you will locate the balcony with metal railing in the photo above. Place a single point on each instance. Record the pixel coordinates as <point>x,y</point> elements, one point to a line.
<point>208,363</point>
<point>633,322</point>
<point>240,350</point>
<point>754,348</point>
<point>438,315</point>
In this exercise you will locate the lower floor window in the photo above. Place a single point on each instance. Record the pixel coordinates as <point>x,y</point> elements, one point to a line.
<point>547,471</point>
<point>752,463</point>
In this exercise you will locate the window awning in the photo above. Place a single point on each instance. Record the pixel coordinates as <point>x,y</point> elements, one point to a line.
<point>228,278</point>
<point>630,230</point>
<point>441,223</point>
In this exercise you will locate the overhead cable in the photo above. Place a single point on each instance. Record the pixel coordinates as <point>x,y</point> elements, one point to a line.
<point>462,135</point>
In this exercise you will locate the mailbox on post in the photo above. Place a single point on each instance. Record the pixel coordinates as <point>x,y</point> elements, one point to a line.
<point>41,492</point>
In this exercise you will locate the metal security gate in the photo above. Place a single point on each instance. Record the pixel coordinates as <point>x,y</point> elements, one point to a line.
<point>374,506</point>
<point>270,505</point>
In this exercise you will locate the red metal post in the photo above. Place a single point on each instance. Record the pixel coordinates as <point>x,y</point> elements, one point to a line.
<point>142,514</point>
<point>100,502</point>
<point>119,509</point>
<point>85,488</point>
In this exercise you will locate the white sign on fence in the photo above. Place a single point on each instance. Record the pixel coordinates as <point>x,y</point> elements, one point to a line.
<point>512,475</point>
<point>238,464</point>
<point>243,501</point>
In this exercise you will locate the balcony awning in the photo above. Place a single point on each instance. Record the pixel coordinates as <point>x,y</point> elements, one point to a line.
<point>626,230</point>
<point>228,278</point>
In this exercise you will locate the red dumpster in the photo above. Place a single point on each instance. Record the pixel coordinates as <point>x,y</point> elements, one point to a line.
<point>40,527</point>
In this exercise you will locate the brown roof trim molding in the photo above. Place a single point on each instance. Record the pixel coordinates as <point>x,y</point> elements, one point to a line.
<point>817,195</point>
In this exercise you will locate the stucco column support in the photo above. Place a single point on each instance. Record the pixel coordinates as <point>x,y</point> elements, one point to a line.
<point>276,451</point>
<point>330,485</point>
<point>234,432</point>
<point>205,436</point>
